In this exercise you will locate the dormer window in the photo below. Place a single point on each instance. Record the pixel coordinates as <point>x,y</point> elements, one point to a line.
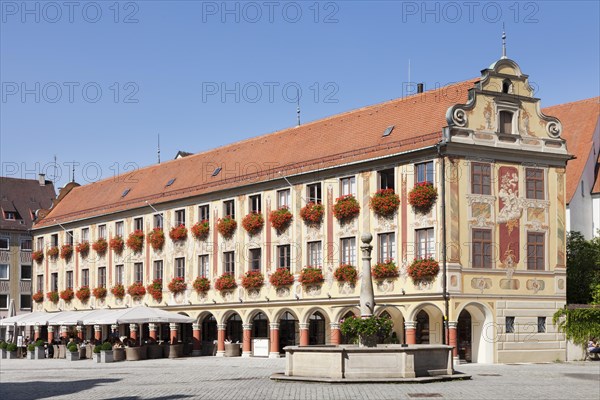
<point>506,86</point>
<point>505,122</point>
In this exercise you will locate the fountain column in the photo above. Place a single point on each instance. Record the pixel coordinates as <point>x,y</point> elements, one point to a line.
<point>367,296</point>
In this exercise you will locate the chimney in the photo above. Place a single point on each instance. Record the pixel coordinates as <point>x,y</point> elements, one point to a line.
<point>42,179</point>
<point>419,88</point>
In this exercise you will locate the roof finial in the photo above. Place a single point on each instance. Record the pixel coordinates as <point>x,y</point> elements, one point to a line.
<point>158,147</point>
<point>503,42</point>
<point>298,105</point>
<point>73,176</point>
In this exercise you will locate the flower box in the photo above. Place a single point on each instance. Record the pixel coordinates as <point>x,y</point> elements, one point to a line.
<point>312,214</point>
<point>100,246</point>
<point>72,356</point>
<point>385,203</point>
<point>117,244</point>
<point>311,276</point>
<point>422,197</point>
<point>66,251</point>
<point>201,229</point>
<point>67,295</point>
<point>346,273</point>
<point>83,248</point>
<point>52,252</point>
<point>155,289</point>
<point>37,256</point>
<point>38,296</point>
<point>253,223</point>
<point>346,208</point>
<point>135,241</point>
<point>178,233</point>
<point>281,219</point>
<point>253,280</point>
<point>100,292</point>
<point>156,238</point>
<point>383,270</point>
<point>118,291</point>
<point>225,282</point>
<point>83,294</point>
<point>136,290</point>
<point>201,285</point>
<point>226,226</point>
<point>281,277</point>
<point>177,285</point>
<point>423,270</point>
<point>53,296</point>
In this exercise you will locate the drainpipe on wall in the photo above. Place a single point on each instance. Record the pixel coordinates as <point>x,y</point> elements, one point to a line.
<point>444,261</point>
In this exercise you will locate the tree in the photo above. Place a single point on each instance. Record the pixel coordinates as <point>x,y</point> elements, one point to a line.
<point>583,268</point>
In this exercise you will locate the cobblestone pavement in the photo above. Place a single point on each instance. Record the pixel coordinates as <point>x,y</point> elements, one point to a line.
<point>248,378</point>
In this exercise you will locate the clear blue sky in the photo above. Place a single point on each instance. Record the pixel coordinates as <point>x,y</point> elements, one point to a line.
<point>162,66</point>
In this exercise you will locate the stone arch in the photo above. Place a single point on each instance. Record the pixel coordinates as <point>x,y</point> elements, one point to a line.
<point>306,315</point>
<point>342,312</point>
<point>250,315</point>
<point>289,328</point>
<point>482,332</point>
<point>233,326</point>
<point>432,332</point>
<point>260,324</point>
<point>208,325</point>
<point>398,334</point>
<point>282,311</point>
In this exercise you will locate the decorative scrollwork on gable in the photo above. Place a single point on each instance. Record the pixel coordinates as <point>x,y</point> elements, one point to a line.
<point>554,129</point>
<point>459,117</point>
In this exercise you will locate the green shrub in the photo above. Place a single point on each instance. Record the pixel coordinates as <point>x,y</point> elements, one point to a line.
<point>106,346</point>
<point>3,345</point>
<point>73,348</point>
<point>31,347</point>
<point>97,348</point>
<point>11,347</point>
<point>39,343</point>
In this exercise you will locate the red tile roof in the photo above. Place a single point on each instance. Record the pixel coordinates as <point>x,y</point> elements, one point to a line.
<point>579,120</point>
<point>23,196</point>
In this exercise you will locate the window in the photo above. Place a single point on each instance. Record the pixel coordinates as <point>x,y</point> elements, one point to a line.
<point>138,272</point>
<point>506,86</point>
<point>54,282</point>
<point>102,231</point>
<point>26,245</point>
<point>10,215</point>
<point>315,255</point>
<point>204,213</point>
<point>4,244</point>
<point>505,122</point>
<point>158,220</point>
<point>535,251</point>
<point>284,256</point>
<point>119,228</point>
<point>40,283</point>
<point>138,224</point>
<point>85,235</point>
<point>69,280</point>
<point>385,179</point>
<point>119,274</point>
<point>85,277</point>
<point>534,182</point>
<point>424,172</point>
<point>179,217</point>
<point>283,198</point>
<point>157,270</point>
<point>255,259</point>
<point>4,272</point>
<point>25,303</point>
<point>40,243</point>
<point>3,301</point>
<point>348,251</point>
<point>425,245</point>
<point>180,267</point>
<point>541,324</point>
<point>510,325</point>
<point>314,193</point>
<point>387,247</point>
<point>69,237</point>
<point>228,262</point>
<point>481,179</point>
<point>229,209</point>
<point>482,248</point>
<point>203,266</point>
<point>101,276</point>
<point>54,240</point>
<point>348,186</point>
<point>25,272</point>
<point>255,205</point>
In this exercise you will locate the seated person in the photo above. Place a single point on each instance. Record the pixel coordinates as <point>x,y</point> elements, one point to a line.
<point>593,346</point>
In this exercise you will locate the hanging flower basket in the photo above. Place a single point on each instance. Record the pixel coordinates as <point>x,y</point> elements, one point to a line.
<point>100,292</point>
<point>118,291</point>
<point>253,223</point>
<point>66,251</point>
<point>312,214</point>
<point>281,219</point>
<point>368,331</point>
<point>83,294</point>
<point>346,208</point>
<point>311,276</point>
<point>83,248</point>
<point>155,289</point>
<point>201,285</point>
<point>346,273</point>
<point>178,233</point>
<point>177,285</point>
<point>225,282</point>
<point>387,269</point>
<point>53,296</point>
<point>422,197</point>
<point>137,290</point>
<point>38,257</point>
<point>385,203</point>
<point>52,252</point>
<point>281,277</point>
<point>67,295</point>
<point>253,280</point>
<point>135,241</point>
<point>423,270</point>
<point>201,229</point>
<point>38,297</point>
<point>116,244</point>
<point>100,246</point>
<point>156,238</point>
<point>226,226</point>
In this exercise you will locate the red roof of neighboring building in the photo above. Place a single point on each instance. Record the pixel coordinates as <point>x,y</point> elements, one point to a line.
<point>22,197</point>
<point>579,120</point>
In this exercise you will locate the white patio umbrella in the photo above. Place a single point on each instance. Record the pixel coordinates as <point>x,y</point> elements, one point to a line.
<point>68,318</point>
<point>18,318</point>
<point>37,318</point>
<point>143,315</point>
<point>102,317</point>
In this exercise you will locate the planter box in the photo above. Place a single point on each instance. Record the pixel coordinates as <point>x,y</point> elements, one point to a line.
<point>106,356</point>
<point>96,358</point>
<point>11,355</point>
<point>135,353</point>
<point>173,350</point>
<point>72,356</point>
<point>233,349</point>
<point>3,353</point>
<point>39,353</point>
<point>30,355</point>
<point>155,351</point>
<point>119,354</point>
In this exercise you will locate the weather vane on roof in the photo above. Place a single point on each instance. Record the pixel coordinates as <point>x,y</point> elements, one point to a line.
<point>503,42</point>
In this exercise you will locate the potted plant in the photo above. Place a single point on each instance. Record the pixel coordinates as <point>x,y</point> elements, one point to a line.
<point>37,256</point>
<point>11,351</point>
<point>423,270</point>
<point>385,203</point>
<point>253,223</point>
<point>38,296</point>
<point>106,353</point>
<point>30,351</point>
<point>312,213</point>
<point>135,241</point>
<point>67,295</point>
<point>201,285</point>
<point>346,208</point>
<point>311,276</point>
<point>96,355</point>
<point>136,290</point>
<point>52,252</point>
<point>100,292</point>
<point>118,291</point>
<point>177,285</point>
<point>100,246</point>
<point>201,229</point>
<point>386,269</point>
<point>178,233</point>
<point>116,244</point>
<point>3,346</point>
<point>225,282</point>
<point>83,294</point>
<point>72,352</point>
<point>253,280</point>
<point>155,290</point>
<point>53,296</point>
<point>156,238</point>
<point>368,331</point>
<point>226,226</point>
<point>346,273</point>
<point>39,352</point>
<point>83,248</point>
<point>422,197</point>
<point>281,277</point>
<point>281,219</point>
